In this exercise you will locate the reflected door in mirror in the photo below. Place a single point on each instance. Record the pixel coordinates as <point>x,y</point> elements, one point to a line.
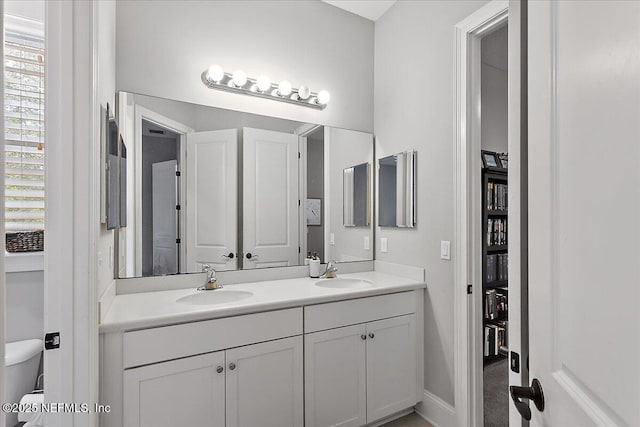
<point>270,199</point>
<point>212,188</point>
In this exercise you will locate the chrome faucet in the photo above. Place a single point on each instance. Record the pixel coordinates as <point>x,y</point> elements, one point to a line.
<point>332,270</point>
<point>211,282</point>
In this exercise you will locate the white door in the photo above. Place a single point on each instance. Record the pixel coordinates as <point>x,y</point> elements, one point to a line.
<point>270,199</point>
<point>183,392</point>
<point>264,384</point>
<point>335,377</point>
<point>584,211</point>
<point>164,197</point>
<point>211,202</point>
<point>391,366</point>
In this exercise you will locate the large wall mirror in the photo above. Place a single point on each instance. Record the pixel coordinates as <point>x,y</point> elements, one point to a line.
<point>236,190</point>
<point>397,190</point>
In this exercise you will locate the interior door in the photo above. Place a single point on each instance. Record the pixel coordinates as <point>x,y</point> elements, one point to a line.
<point>164,195</point>
<point>183,392</point>
<point>584,211</point>
<point>265,384</point>
<point>270,199</point>
<point>336,377</point>
<point>211,202</point>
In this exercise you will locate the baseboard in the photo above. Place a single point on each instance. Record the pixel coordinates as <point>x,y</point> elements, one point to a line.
<point>390,418</point>
<point>436,411</point>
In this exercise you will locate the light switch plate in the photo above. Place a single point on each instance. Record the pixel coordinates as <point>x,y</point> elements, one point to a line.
<point>383,245</point>
<point>332,239</point>
<point>366,243</point>
<point>445,249</point>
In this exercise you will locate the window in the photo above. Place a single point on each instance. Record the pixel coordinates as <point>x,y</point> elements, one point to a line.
<point>24,130</point>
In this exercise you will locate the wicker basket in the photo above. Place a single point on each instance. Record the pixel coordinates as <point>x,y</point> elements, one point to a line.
<point>27,241</point>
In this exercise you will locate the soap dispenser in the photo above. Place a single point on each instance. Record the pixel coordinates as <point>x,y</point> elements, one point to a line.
<point>314,266</point>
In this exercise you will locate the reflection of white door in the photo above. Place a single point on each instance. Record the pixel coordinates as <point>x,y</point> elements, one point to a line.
<point>584,210</point>
<point>211,202</point>
<point>270,200</point>
<point>164,201</point>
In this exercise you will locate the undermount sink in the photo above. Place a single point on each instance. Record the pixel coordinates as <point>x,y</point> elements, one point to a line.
<point>345,283</point>
<point>218,296</point>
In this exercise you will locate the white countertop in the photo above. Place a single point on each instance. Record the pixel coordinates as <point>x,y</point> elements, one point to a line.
<point>152,309</point>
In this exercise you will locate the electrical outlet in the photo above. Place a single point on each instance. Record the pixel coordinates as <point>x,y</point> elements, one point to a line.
<point>332,239</point>
<point>383,245</point>
<point>445,249</point>
<point>366,243</point>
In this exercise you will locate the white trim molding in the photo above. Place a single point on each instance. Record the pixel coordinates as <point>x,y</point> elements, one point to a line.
<point>467,213</point>
<point>19,262</point>
<point>436,411</point>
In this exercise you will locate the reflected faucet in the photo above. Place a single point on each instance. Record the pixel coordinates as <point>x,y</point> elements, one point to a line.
<point>211,283</point>
<point>332,270</point>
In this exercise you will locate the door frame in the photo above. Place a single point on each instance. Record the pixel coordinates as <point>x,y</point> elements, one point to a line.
<point>303,132</point>
<point>467,266</point>
<point>142,113</point>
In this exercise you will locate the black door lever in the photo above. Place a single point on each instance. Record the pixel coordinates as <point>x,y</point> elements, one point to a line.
<point>533,393</point>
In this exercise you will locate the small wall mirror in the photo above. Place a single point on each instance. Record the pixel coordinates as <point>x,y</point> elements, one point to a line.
<point>357,196</point>
<point>396,190</point>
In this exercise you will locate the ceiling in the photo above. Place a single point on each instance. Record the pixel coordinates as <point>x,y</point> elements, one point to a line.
<point>370,9</point>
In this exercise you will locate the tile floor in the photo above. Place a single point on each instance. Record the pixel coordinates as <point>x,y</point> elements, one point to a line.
<point>411,420</point>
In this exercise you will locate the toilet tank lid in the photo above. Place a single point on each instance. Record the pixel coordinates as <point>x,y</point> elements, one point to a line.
<point>20,351</point>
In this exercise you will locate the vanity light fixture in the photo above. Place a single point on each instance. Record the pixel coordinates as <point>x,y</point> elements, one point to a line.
<point>239,82</point>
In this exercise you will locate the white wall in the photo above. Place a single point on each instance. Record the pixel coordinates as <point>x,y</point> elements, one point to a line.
<point>25,306</point>
<point>305,42</point>
<point>494,91</point>
<point>414,43</point>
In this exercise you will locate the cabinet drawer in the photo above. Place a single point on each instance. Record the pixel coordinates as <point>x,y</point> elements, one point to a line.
<point>342,313</point>
<point>172,342</point>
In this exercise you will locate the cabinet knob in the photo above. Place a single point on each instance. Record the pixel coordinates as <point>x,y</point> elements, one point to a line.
<point>219,369</point>
<point>371,335</point>
<point>363,336</point>
<point>232,366</point>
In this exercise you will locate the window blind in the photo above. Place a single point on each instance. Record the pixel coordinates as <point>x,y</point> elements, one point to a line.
<point>24,131</point>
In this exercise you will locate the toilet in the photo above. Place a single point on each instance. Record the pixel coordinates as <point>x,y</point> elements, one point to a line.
<point>22,361</point>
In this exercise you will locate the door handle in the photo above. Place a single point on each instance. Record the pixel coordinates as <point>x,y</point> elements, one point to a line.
<point>533,393</point>
<point>249,255</point>
<point>228,257</point>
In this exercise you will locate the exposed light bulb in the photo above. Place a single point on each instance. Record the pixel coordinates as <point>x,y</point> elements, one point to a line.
<point>263,83</point>
<point>323,97</point>
<point>215,73</point>
<point>304,92</point>
<point>239,78</point>
<point>284,88</point>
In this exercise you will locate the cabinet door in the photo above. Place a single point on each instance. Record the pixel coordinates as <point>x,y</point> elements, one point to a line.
<point>183,392</point>
<point>265,384</point>
<point>391,366</point>
<point>335,377</point>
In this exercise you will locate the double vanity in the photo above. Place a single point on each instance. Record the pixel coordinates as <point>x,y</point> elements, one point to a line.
<point>346,351</point>
<point>192,189</point>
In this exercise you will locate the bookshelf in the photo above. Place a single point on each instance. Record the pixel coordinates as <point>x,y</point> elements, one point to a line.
<point>495,251</point>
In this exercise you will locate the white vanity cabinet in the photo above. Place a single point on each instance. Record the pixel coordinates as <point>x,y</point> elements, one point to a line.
<point>259,384</point>
<point>345,363</point>
<point>189,391</point>
<point>265,384</point>
<point>361,373</point>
